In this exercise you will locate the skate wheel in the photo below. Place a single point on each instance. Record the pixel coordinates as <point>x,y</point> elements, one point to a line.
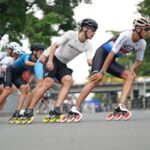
<point>46,119</point>
<point>57,120</point>
<point>127,116</point>
<point>78,118</point>
<point>118,116</point>
<point>109,116</point>
<point>30,120</point>
<point>12,121</point>
<point>63,118</point>
<point>70,118</point>
<point>52,120</point>
<point>19,120</point>
<point>24,121</point>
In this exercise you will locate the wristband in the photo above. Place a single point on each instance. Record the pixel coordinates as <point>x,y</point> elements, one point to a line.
<point>95,71</point>
<point>102,71</point>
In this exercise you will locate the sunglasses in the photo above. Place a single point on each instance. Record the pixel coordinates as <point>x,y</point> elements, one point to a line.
<point>40,51</point>
<point>93,29</point>
<point>147,29</point>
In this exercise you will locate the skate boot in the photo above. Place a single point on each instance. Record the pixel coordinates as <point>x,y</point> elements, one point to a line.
<point>119,113</point>
<point>116,114</point>
<point>54,116</point>
<point>73,115</point>
<point>126,114</point>
<point>19,120</point>
<point>14,118</point>
<point>28,117</point>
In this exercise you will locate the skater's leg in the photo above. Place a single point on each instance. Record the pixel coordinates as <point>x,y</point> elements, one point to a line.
<point>129,78</point>
<point>39,83</point>
<point>47,84</point>
<point>84,93</point>
<point>6,92</point>
<point>24,90</point>
<point>66,83</point>
<point>74,113</point>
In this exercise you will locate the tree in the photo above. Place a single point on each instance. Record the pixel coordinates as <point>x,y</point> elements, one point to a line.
<point>144,9</point>
<point>20,17</point>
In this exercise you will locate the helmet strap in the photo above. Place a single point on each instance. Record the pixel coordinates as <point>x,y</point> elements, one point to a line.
<point>35,55</point>
<point>85,32</point>
<point>139,33</point>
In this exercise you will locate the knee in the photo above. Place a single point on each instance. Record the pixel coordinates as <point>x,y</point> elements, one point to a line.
<point>68,81</point>
<point>24,89</point>
<point>130,76</point>
<point>48,82</point>
<point>1,89</point>
<point>7,90</point>
<point>95,83</point>
<point>39,83</point>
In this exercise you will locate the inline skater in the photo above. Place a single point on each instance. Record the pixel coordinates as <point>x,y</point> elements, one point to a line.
<point>105,61</point>
<point>70,45</point>
<point>14,76</point>
<point>28,116</point>
<point>7,58</point>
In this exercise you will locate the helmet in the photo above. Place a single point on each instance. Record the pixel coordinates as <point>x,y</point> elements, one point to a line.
<point>89,22</point>
<point>18,50</point>
<point>13,45</point>
<point>37,47</point>
<point>141,22</point>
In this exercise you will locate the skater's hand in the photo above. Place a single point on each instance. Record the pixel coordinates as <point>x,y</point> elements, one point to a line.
<point>50,65</point>
<point>133,72</point>
<point>96,77</point>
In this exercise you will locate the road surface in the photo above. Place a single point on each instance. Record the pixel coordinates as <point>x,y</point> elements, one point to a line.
<point>92,133</point>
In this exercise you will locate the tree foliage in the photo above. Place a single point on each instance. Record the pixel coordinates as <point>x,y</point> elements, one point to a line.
<point>22,17</point>
<point>144,9</point>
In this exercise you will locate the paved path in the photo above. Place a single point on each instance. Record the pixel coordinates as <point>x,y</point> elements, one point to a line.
<point>92,133</point>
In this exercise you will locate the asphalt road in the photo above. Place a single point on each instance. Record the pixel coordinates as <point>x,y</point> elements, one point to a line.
<point>92,133</point>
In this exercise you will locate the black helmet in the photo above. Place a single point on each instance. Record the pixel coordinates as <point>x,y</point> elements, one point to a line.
<point>89,22</point>
<point>37,47</point>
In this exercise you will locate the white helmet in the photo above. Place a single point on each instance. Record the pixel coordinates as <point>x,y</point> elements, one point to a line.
<point>18,50</point>
<point>12,45</point>
<point>141,22</point>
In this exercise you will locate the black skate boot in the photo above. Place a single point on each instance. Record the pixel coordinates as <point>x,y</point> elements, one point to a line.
<point>28,117</point>
<point>15,116</point>
<point>54,116</point>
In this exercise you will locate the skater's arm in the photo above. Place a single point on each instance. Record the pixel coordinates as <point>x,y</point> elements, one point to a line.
<point>89,61</point>
<point>29,63</point>
<point>50,64</point>
<point>108,61</point>
<point>136,65</point>
<point>98,76</point>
